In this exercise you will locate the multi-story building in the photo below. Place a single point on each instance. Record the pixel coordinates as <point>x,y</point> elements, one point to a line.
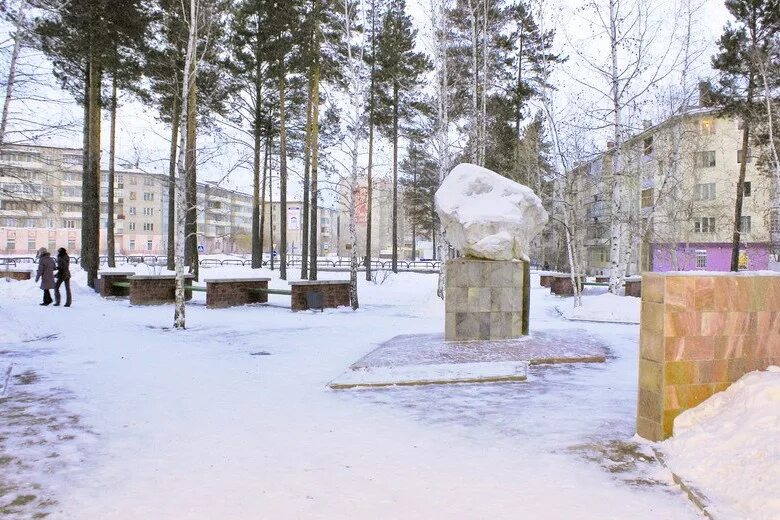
<point>40,206</point>
<point>680,187</point>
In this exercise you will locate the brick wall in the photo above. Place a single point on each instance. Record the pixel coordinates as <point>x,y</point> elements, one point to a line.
<point>698,335</point>
<point>333,294</point>
<point>15,275</point>
<point>154,290</point>
<point>230,293</point>
<point>106,284</point>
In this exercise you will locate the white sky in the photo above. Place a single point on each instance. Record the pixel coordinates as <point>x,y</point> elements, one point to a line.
<point>143,139</point>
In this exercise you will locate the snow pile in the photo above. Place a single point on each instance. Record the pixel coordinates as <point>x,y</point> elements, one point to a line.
<point>485,215</point>
<point>727,447</point>
<point>606,307</point>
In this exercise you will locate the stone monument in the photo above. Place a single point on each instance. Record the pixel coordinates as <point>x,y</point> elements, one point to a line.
<point>491,220</point>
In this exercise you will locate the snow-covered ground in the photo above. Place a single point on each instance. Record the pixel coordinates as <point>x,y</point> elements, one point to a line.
<point>232,418</point>
<point>601,306</point>
<point>728,448</point>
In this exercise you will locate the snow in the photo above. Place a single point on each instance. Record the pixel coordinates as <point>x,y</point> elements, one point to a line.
<point>431,374</point>
<point>485,215</point>
<point>197,424</point>
<point>728,448</point>
<point>605,307</point>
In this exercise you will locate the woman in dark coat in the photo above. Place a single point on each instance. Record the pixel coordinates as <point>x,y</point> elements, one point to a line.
<point>63,276</point>
<point>45,274</point>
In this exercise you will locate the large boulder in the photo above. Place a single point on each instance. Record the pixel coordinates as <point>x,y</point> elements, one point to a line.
<point>485,215</point>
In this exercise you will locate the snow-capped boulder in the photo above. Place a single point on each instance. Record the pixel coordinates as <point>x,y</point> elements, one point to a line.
<point>485,215</point>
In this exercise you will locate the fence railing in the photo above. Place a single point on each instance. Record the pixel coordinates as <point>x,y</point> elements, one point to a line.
<point>343,263</point>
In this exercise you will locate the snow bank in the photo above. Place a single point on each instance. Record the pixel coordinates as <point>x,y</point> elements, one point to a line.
<point>605,307</point>
<point>727,447</point>
<point>485,215</point>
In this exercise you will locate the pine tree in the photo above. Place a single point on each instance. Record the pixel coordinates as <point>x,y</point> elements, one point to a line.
<point>757,25</point>
<point>83,38</point>
<point>398,75</point>
<point>420,181</point>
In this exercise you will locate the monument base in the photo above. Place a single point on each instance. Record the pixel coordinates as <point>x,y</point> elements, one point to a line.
<point>486,299</point>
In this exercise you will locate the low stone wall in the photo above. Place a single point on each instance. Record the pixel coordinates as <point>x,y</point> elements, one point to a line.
<point>545,279</point>
<point>562,286</point>
<point>107,279</point>
<point>16,274</point>
<point>231,292</point>
<point>698,335</point>
<point>633,286</point>
<point>602,279</point>
<point>156,289</point>
<point>335,293</point>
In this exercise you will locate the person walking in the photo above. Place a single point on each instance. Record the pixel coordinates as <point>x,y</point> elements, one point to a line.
<point>45,274</point>
<point>63,276</point>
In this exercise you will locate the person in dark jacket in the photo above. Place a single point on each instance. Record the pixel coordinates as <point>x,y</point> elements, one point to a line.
<point>45,274</point>
<point>63,276</point>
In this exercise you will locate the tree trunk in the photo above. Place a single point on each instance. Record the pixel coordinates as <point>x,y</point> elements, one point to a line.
<point>282,180</point>
<point>175,122</point>
<point>616,220</point>
<point>266,159</point>
<point>740,193</point>
<point>315,154</point>
<point>90,211</point>
<point>11,81</point>
<point>414,224</point>
<point>111,173</point>
<point>257,228</point>
<point>191,225</point>
<point>308,225</point>
<point>271,201</point>
<point>369,172</point>
<point>395,178</point>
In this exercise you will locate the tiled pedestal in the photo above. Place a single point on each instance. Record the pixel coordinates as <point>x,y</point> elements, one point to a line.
<point>486,299</point>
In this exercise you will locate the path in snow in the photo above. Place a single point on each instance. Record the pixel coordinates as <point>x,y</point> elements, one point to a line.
<point>192,425</point>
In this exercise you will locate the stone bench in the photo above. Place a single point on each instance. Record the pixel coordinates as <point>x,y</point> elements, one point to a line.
<point>109,278</point>
<point>156,289</point>
<point>16,274</point>
<point>562,286</point>
<point>231,292</point>
<point>335,293</point>
<point>602,279</point>
<point>545,278</point>
<point>633,286</point>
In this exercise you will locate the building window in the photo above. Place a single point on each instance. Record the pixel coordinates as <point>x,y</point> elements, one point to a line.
<point>148,245</point>
<point>10,244</point>
<point>148,196</point>
<point>71,176</point>
<point>148,181</point>
<point>701,259</point>
<point>739,157</point>
<point>52,245</point>
<point>71,191</point>
<point>148,226</point>
<point>705,159</point>
<point>132,245</point>
<point>76,160</point>
<point>69,224</point>
<point>71,244</point>
<point>131,226</point>
<point>149,211</point>
<point>31,244</point>
<point>747,189</point>
<point>132,210</point>
<point>707,126</point>
<point>647,148</point>
<point>647,198</point>
<point>132,195</point>
<point>704,191</point>
<point>744,224</point>
<point>704,225</point>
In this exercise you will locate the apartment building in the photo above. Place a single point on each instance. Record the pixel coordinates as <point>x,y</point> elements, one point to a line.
<point>40,206</point>
<point>680,186</point>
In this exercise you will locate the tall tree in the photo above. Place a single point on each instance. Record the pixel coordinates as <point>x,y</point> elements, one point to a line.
<point>757,23</point>
<point>398,75</point>
<point>420,181</point>
<point>83,38</point>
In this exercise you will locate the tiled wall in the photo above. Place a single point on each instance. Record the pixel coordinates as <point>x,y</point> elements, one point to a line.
<point>699,334</point>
